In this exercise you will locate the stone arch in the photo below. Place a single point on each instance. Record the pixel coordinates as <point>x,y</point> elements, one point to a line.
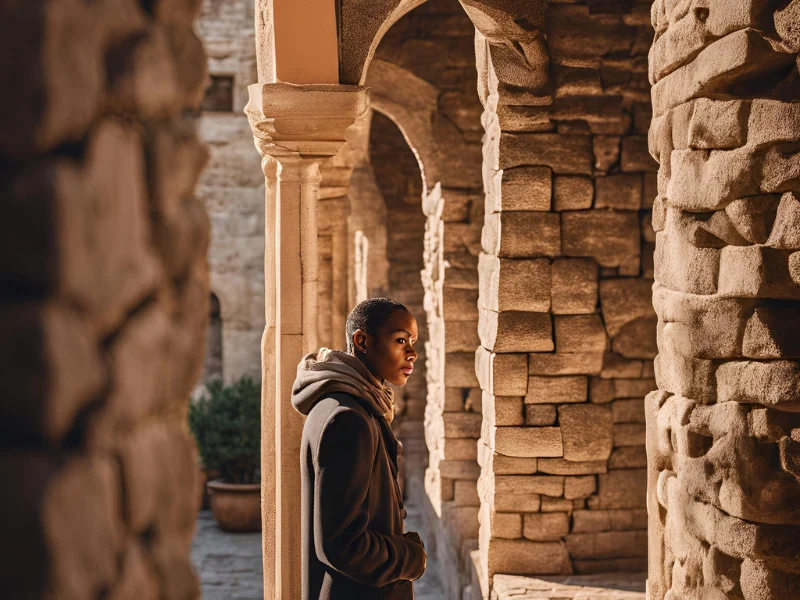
<point>362,25</point>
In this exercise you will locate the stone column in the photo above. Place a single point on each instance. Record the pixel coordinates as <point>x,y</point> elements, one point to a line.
<point>334,213</point>
<point>295,129</point>
<point>723,436</point>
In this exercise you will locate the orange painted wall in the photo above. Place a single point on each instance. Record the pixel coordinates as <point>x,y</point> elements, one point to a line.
<point>306,46</point>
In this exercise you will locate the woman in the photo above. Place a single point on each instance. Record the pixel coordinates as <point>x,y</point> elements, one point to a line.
<point>353,543</point>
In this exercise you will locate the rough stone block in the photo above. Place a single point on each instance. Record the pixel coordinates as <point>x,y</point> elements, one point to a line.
<point>573,192</point>
<point>625,300</point>
<point>561,466</point>
<point>515,331</point>
<point>511,501</point>
<point>785,232</point>
<point>507,525</point>
<point>586,432</point>
<point>539,415</point>
<point>466,493</point>
<point>544,527</point>
<point>773,383</point>
<point>513,465</point>
<point>556,390</point>
<point>514,285</point>
<point>615,365</point>
<point>574,286</point>
<point>502,374</point>
<point>623,489</point>
<point>545,363</point>
<point>459,469</point>
<point>508,234</point>
<point>460,370</point>
<point>460,305</point>
<point>630,457</point>
<point>525,557</point>
<point>629,434</point>
<point>459,449</point>
<point>606,151</point>
<point>461,336</point>
<point>611,544</point>
<point>564,154</point>
<point>462,424</point>
<point>579,487</point>
<point>718,124</point>
<point>550,504</point>
<point>524,188</point>
<point>636,155</point>
<point>529,442</point>
<point>628,411</point>
<point>546,485</point>
<point>620,192</point>
<point>772,332</point>
<point>580,334</point>
<point>608,237</point>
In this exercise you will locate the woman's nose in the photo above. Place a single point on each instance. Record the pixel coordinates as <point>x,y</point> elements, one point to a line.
<point>413,355</point>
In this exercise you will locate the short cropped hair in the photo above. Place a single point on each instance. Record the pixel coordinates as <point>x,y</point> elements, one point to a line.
<point>368,316</point>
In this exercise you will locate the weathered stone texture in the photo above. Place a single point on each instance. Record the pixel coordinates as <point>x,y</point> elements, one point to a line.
<point>725,134</point>
<point>565,277</point>
<point>105,297</point>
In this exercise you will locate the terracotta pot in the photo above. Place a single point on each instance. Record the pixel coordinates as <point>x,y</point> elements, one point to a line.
<point>236,506</point>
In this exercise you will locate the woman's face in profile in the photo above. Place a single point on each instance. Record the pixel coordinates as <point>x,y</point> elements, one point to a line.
<point>390,354</point>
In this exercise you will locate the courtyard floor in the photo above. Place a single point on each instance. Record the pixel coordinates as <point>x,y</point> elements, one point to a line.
<point>229,564</point>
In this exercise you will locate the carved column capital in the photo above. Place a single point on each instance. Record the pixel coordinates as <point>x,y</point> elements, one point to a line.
<point>303,123</point>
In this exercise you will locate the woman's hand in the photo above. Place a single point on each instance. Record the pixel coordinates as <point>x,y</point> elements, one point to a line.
<point>414,537</point>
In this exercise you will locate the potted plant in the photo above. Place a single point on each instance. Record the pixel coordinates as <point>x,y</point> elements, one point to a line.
<point>226,423</point>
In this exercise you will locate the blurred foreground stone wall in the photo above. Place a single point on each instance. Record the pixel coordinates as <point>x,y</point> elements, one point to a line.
<point>103,297</point>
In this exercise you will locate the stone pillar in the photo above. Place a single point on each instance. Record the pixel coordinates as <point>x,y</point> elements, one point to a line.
<point>295,129</point>
<point>723,429</point>
<point>333,218</point>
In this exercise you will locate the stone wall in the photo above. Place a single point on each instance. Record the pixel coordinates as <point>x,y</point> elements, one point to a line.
<point>566,323</point>
<point>723,429</point>
<point>104,297</point>
<point>427,77</point>
<point>232,186</point>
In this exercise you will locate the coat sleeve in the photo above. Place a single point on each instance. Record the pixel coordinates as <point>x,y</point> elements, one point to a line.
<point>344,458</point>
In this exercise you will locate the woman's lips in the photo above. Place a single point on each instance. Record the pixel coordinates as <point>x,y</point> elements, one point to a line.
<point>407,370</point>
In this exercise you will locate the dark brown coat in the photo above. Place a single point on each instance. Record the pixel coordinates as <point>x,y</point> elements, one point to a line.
<point>352,511</point>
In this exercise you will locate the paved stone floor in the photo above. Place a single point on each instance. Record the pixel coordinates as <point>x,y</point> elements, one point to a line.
<point>613,586</point>
<point>229,564</point>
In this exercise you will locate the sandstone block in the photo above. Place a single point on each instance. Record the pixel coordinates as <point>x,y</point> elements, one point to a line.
<point>502,374</point>
<point>606,151</point>
<point>508,234</point>
<point>513,465</point>
<point>561,466</point>
<point>611,544</point>
<point>524,188</point>
<point>564,154</point>
<point>544,527</point>
<point>507,410</point>
<point>628,434</point>
<point>630,457</point>
<point>547,485</point>
<point>525,557</point>
<point>573,192</point>
<point>623,301</point>
<point>550,504</point>
<point>466,493</point>
<point>507,525</point>
<point>579,487</point>
<point>621,192</point>
<point>627,411</point>
<point>460,370</point>
<point>539,415</point>
<point>458,449</point>
<point>623,489</point>
<point>773,383</point>
<point>574,286</point>
<point>755,272</point>
<point>462,424</point>
<point>615,365</point>
<point>608,237</point>
<point>636,155</point>
<point>637,339</point>
<point>459,469</point>
<point>461,336</point>
<point>601,391</point>
<point>586,432</point>
<point>785,231</point>
<point>772,332</point>
<point>555,363</point>
<point>718,124</point>
<point>556,390</point>
<point>511,501</point>
<point>460,305</point>
<point>514,285</point>
<point>580,334</point>
<point>515,331</point>
<point>529,442</point>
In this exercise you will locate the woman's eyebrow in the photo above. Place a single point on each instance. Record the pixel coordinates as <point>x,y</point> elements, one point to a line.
<point>404,331</point>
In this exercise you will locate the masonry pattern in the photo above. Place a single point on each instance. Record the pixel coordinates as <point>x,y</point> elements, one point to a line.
<point>723,428</point>
<point>105,298</point>
<point>566,324</point>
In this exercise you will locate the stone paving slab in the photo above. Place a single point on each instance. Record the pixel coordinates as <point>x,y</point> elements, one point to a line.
<point>228,564</point>
<point>612,586</point>
<point>230,568</point>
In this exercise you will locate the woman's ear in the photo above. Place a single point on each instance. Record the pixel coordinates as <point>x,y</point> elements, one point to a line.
<point>360,340</point>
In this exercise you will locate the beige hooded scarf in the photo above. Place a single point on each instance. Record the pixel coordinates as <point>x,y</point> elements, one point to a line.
<point>328,371</point>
